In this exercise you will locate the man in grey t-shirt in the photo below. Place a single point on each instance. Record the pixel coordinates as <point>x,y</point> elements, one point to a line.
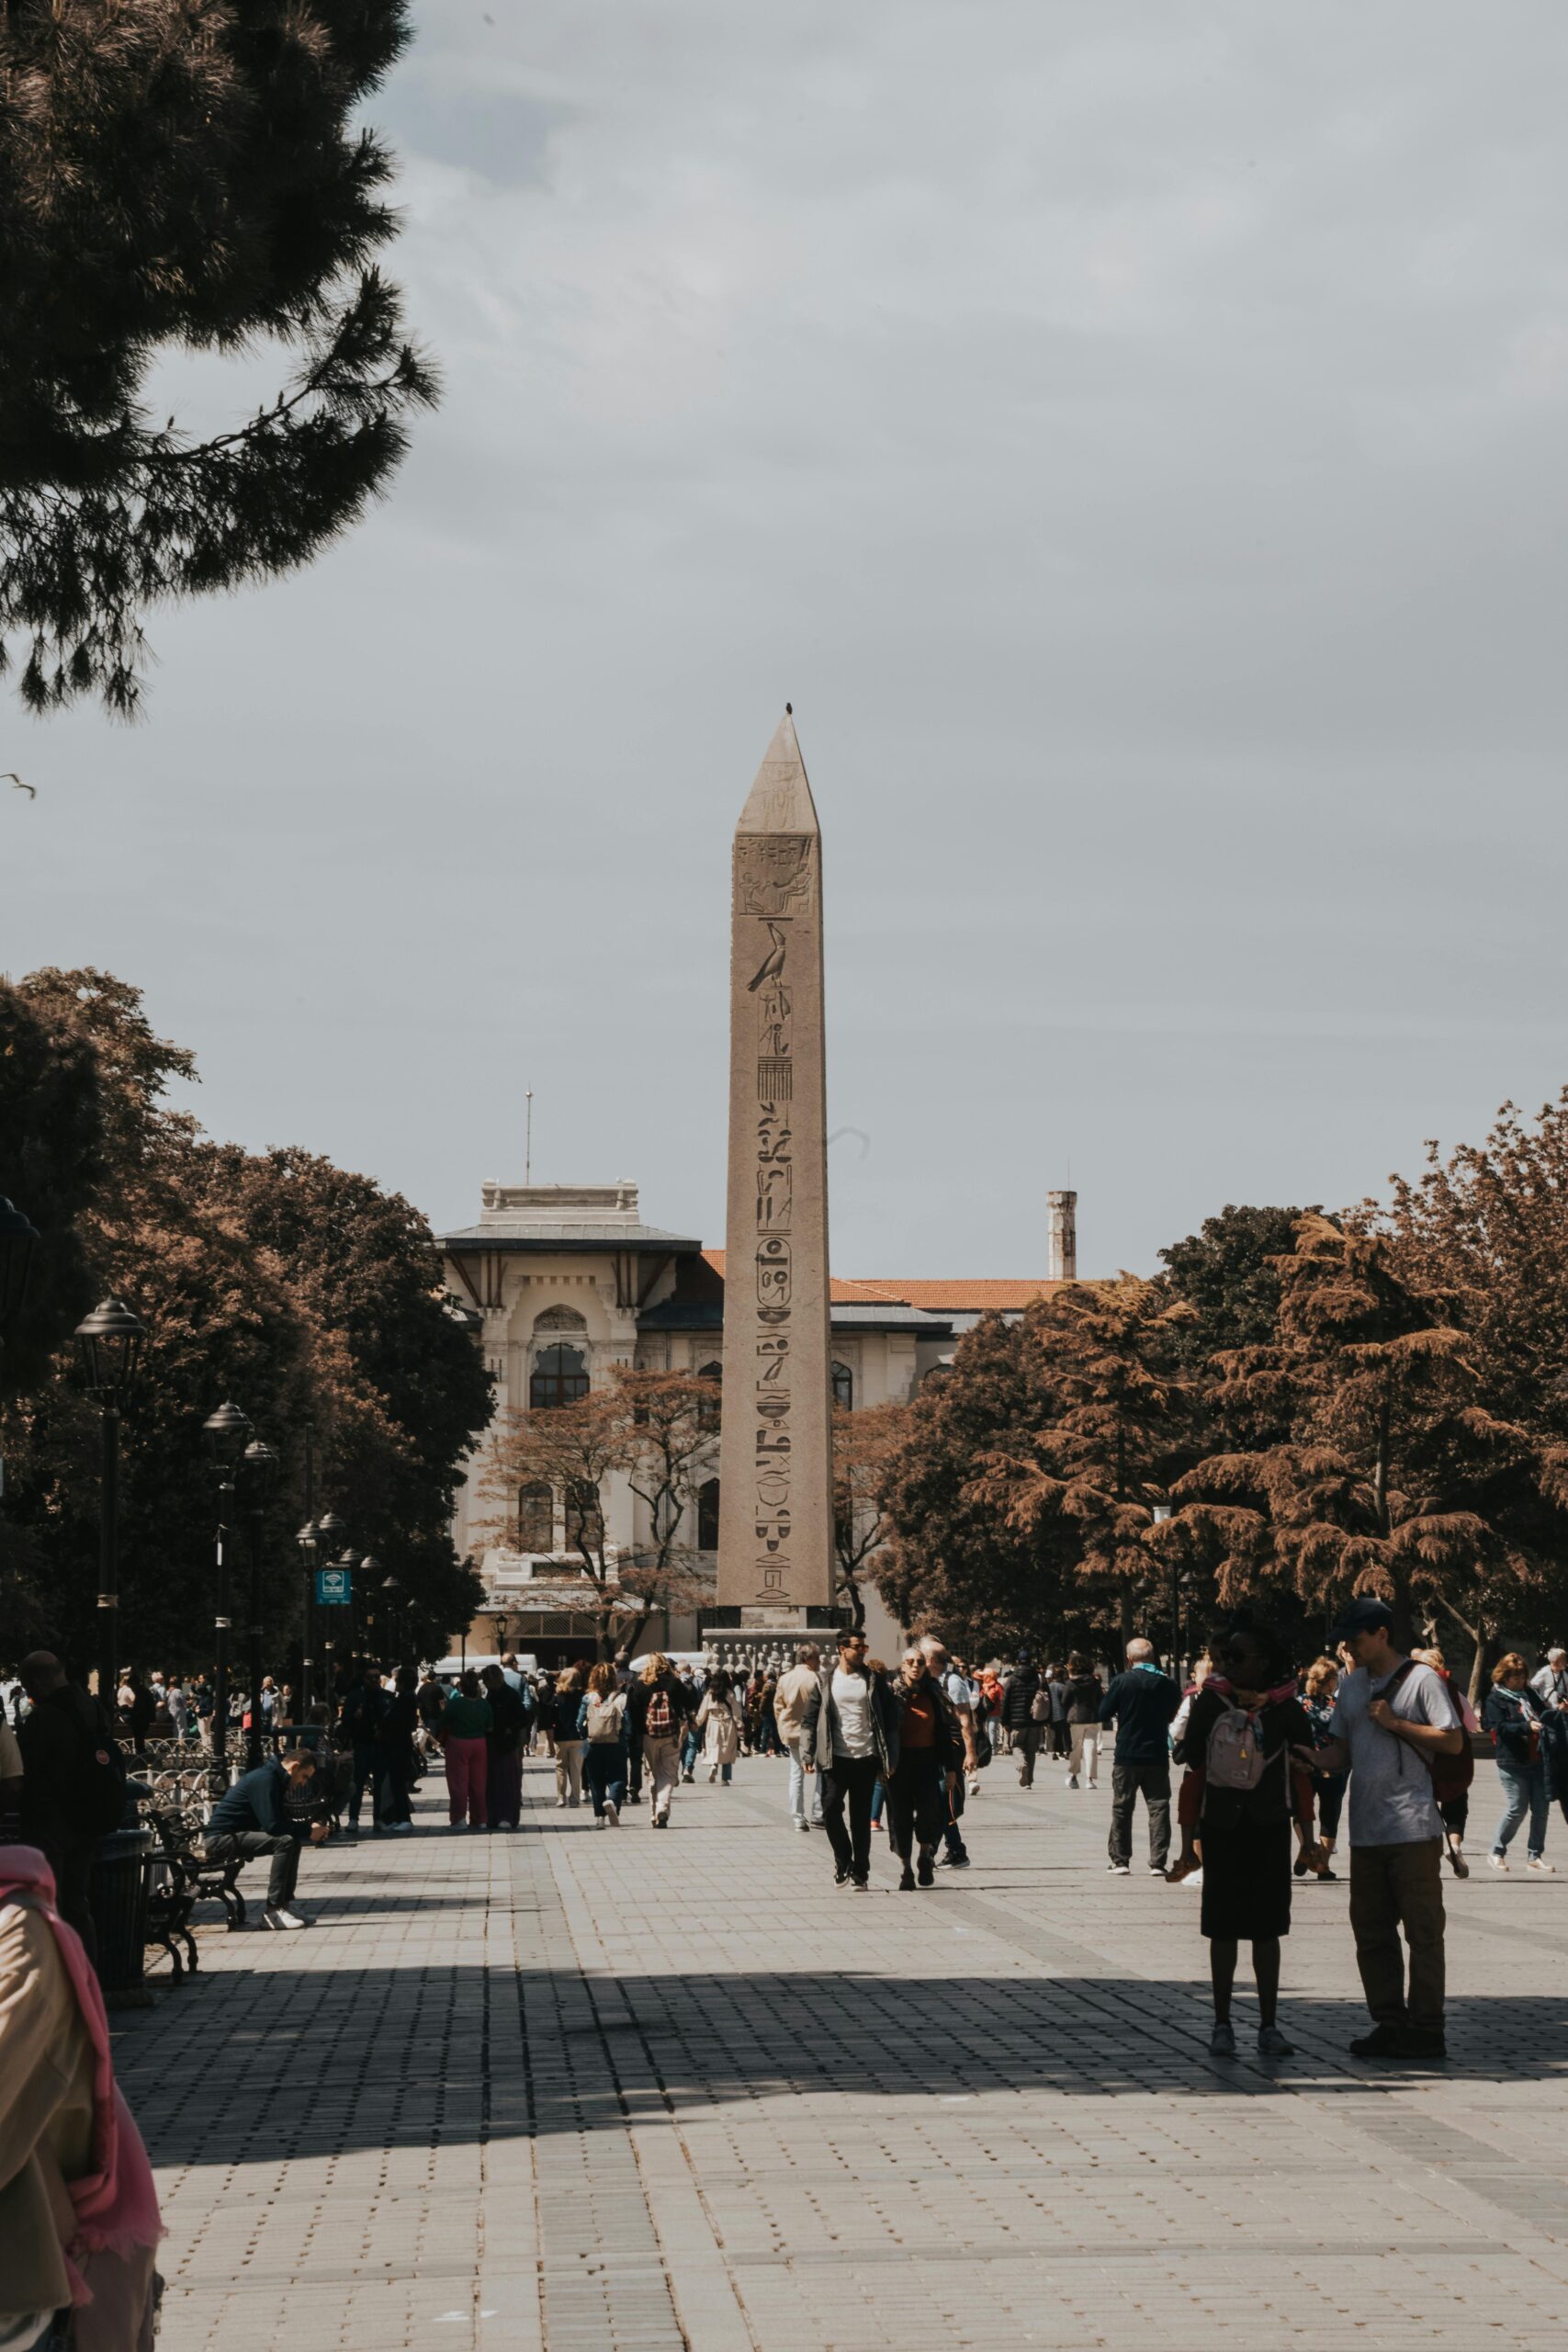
<point>1391,1721</point>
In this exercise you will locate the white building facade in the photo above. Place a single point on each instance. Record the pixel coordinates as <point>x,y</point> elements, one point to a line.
<point>562,1283</point>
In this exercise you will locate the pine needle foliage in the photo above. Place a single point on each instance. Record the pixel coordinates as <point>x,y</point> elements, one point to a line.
<point>185,174</point>
<point>1397,1476</point>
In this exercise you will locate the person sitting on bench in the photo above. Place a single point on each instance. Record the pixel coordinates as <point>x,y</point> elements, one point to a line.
<point>253,1818</point>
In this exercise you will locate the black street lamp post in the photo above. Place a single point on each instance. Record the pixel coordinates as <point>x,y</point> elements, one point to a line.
<point>109,1343</point>
<point>329,1529</point>
<point>259,1465</point>
<point>310,1551</point>
<point>228,1432</point>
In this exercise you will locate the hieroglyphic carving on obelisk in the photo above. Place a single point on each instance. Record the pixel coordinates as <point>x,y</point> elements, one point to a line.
<point>775,1533</point>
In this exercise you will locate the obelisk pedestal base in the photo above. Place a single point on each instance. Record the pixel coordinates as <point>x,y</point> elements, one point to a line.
<point>742,1640</point>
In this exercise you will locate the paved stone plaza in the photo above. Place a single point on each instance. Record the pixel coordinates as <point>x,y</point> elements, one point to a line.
<point>588,2089</point>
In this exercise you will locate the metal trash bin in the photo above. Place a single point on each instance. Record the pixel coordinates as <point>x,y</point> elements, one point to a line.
<point>118,1898</point>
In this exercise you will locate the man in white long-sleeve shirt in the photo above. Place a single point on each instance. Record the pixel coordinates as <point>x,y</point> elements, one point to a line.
<point>789,1712</point>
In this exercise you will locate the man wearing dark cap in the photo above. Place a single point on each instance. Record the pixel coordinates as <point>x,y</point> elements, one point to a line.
<point>1391,1721</point>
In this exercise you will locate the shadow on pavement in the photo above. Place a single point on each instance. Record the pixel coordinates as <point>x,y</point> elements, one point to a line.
<point>257,2067</point>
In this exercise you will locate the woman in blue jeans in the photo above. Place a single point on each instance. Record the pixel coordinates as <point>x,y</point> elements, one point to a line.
<point>1513,1718</point>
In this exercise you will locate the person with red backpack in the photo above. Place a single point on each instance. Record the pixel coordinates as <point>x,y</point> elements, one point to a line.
<point>1239,1733</point>
<point>660,1704</point>
<point>1395,1726</point>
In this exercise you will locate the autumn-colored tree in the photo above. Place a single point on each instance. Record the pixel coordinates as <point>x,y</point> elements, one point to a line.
<point>672,1449</point>
<point>1395,1464</point>
<point>1020,1498</point>
<point>657,1430</point>
<point>867,1445</point>
<point>226,1259</point>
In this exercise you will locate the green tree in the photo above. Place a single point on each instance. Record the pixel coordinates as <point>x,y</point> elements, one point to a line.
<point>51,1164</point>
<point>952,1561</point>
<point>185,174</point>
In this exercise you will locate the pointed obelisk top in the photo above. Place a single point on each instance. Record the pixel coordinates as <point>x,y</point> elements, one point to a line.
<point>780,800</point>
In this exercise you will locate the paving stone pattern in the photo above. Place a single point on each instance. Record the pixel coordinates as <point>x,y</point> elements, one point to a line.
<point>597,2091</point>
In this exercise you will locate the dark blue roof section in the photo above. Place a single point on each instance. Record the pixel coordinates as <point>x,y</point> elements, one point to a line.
<point>555,1237</point>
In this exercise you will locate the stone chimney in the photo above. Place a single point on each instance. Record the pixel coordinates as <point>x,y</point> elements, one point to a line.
<point>1061,1237</point>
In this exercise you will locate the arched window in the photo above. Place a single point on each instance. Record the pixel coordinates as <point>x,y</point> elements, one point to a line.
<point>559,1377</point>
<point>535,1517</point>
<point>559,1318</point>
<point>707,1515</point>
<point>708,1413</point>
<point>583,1524</point>
<point>843,1384</point>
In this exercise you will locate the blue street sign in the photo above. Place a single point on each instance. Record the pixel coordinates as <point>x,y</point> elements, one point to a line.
<point>334,1588</point>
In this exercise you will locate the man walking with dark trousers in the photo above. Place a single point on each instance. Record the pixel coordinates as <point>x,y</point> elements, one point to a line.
<point>1021,1717</point>
<point>849,1733</point>
<point>1140,1703</point>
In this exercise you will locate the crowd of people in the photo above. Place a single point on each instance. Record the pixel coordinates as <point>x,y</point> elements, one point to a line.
<point>1277,1759</point>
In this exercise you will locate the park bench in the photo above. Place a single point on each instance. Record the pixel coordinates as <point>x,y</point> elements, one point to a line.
<point>191,1879</point>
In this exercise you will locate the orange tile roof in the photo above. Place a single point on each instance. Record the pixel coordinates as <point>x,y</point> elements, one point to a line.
<point>969,1295</point>
<point>963,1295</point>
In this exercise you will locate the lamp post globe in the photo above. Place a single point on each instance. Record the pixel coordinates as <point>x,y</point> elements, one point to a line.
<point>110,1345</point>
<point>228,1432</point>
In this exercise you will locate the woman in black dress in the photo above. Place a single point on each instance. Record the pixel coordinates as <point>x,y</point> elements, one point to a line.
<point>1245,1830</point>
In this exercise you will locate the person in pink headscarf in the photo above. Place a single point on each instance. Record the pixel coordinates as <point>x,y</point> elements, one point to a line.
<point>79,2218</point>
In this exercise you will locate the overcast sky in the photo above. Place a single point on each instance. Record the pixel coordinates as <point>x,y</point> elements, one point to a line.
<point>1131,436</point>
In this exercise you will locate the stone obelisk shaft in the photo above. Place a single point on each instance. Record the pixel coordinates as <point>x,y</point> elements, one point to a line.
<point>775,1533</point>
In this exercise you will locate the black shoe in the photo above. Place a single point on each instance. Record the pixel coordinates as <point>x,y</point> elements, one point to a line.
<point>954,1861</point>
<point>1415,2041</point>
<point>1299,1867</point>
<point>1381,2042</point>
<point>927,1875</point>
<point>859,1886</point>
<point>906,1883</point>
<point>840,1877</point>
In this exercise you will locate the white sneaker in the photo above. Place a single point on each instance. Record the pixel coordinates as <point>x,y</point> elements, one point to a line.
<point>1498,1861</point>
<point>560,1804</point>
<point>801,1822</point>
<point>1195,1877</point>
<point>1539,1863</point>
<point>280,1916</point>
<point>1120,1869</point>
<point>612,1815</point>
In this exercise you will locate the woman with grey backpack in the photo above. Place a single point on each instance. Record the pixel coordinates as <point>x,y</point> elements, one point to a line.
<point>1240,1732</point>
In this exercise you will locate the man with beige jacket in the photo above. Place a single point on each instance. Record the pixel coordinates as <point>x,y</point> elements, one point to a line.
<point>789,1708</point>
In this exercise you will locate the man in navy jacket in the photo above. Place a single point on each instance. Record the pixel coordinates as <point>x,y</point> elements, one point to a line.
<point>1140,1703</point>
<point>253,1818</point>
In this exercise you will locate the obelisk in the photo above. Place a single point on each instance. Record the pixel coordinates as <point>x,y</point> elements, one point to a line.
<point>775,1528</point>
